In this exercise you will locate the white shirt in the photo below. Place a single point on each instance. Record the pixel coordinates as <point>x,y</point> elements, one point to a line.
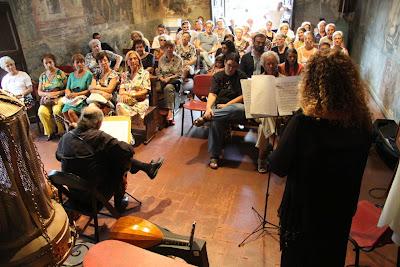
<point>16,84</point>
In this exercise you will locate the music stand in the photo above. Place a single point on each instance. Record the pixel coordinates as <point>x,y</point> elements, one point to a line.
<point>264,223</point>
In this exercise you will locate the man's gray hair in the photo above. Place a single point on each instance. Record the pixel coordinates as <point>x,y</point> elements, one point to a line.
<point>4,60</point>
<point>269,54</point>
<point>91,117</point>
<point>93,42</point>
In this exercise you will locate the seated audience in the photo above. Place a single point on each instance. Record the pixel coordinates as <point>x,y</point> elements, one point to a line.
<point>338,42</point>
<point>224,105</point>
<point>329,29</point>
<point>240,43</point>
<point>134,88</point>
<point>232,26</point>
<point>266,128</point>
<point>299,41</point>
<point>287,32</point>
<point>220,30</point>
<point>159,52</point>
<point>90,58</point>
<point>207,44</point>
<point>227,46</point>
<point>187,52</point>
<point>269,33</point>
<point>323,152</point>
<point>16,82</point>
<point>169,72</point>
<point>198,26</point>
<point>138,35</point>
<point>218,65</point>
<point>104,46</point>
<point>146,58</point>
<point>101,159</point>
<point>161,30</point>
<point>324,46</point>
<point>77,89</point>
<point>51,87</point>
<point>247,33</point>
<point>250,63</point>
<point>306,51</point>
<point>103,84</point>
<point>306,25</point>
<point>280,48</point>
<point>290,67</point>
<point>320,31</point>
<point>185,28</point>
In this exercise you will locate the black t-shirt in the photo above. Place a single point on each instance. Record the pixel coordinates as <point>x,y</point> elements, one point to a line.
<point>282,57</point>
<point>148,61</point>
<point>227,87</point>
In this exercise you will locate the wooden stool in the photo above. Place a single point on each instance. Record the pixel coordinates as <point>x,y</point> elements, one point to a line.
<point>116,253</point>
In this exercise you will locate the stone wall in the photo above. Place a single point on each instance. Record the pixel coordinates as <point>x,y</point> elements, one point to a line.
<point>64,27</point>
<point>376,47</point>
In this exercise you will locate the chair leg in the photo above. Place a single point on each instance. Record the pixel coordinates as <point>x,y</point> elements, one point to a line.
<point>137,200</point>
<point>191,114</point>
<point>183,120</point>
<point>96,228</point>
<point>357,259</point>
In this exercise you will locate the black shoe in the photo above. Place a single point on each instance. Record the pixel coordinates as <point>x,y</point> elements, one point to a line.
<point>121,206</point>
<point>154,167</point>
<point>52,136</point>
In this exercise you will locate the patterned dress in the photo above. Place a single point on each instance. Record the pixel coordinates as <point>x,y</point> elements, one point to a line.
<point>139,82</point>
<point>56,84</point>
<point>91,62</point>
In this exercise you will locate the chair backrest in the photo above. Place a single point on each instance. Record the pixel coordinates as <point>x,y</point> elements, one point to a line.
<point>202,84</point>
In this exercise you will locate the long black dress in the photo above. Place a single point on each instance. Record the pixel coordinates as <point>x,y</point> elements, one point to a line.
<point>324,165</point>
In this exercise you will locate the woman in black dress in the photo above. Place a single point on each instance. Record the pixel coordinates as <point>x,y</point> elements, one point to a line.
<point>323,152</point>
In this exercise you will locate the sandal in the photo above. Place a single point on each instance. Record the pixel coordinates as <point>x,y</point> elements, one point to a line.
<point>213,163</point>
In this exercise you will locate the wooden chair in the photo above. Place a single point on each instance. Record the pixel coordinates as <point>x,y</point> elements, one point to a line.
<point>364,234</point>
<point>64,182</point>
<point>33,112</point>
<point>66,68</point>
<point>201,87</point>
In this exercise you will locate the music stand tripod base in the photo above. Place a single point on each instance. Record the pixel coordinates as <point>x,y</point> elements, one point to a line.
<point>264,225</point>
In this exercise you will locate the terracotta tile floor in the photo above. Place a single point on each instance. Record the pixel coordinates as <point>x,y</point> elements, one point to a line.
<point>220,201</point>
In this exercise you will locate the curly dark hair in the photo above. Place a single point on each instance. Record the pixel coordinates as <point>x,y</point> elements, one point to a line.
<point>331,88</point>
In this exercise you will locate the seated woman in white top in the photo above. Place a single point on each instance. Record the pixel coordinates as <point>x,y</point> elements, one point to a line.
<point>16,82</point>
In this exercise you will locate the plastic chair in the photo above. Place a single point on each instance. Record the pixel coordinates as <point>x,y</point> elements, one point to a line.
<point>364,233</point>
<point>64,182</point>
<point>202,84</point>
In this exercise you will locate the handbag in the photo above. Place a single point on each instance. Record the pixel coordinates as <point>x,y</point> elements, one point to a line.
<point>48,101</point>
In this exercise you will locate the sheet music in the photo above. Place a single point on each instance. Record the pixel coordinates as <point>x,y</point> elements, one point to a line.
<point>246,91</point>
<point>119,129</point>
<point>263,99</point>
<point>287,94</point>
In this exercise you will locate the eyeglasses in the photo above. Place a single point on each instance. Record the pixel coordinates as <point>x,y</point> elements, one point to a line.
<point>162,40</point>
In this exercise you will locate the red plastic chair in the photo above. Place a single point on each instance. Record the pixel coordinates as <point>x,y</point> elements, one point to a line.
<point>364,233</point>
<point>202,84</point>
